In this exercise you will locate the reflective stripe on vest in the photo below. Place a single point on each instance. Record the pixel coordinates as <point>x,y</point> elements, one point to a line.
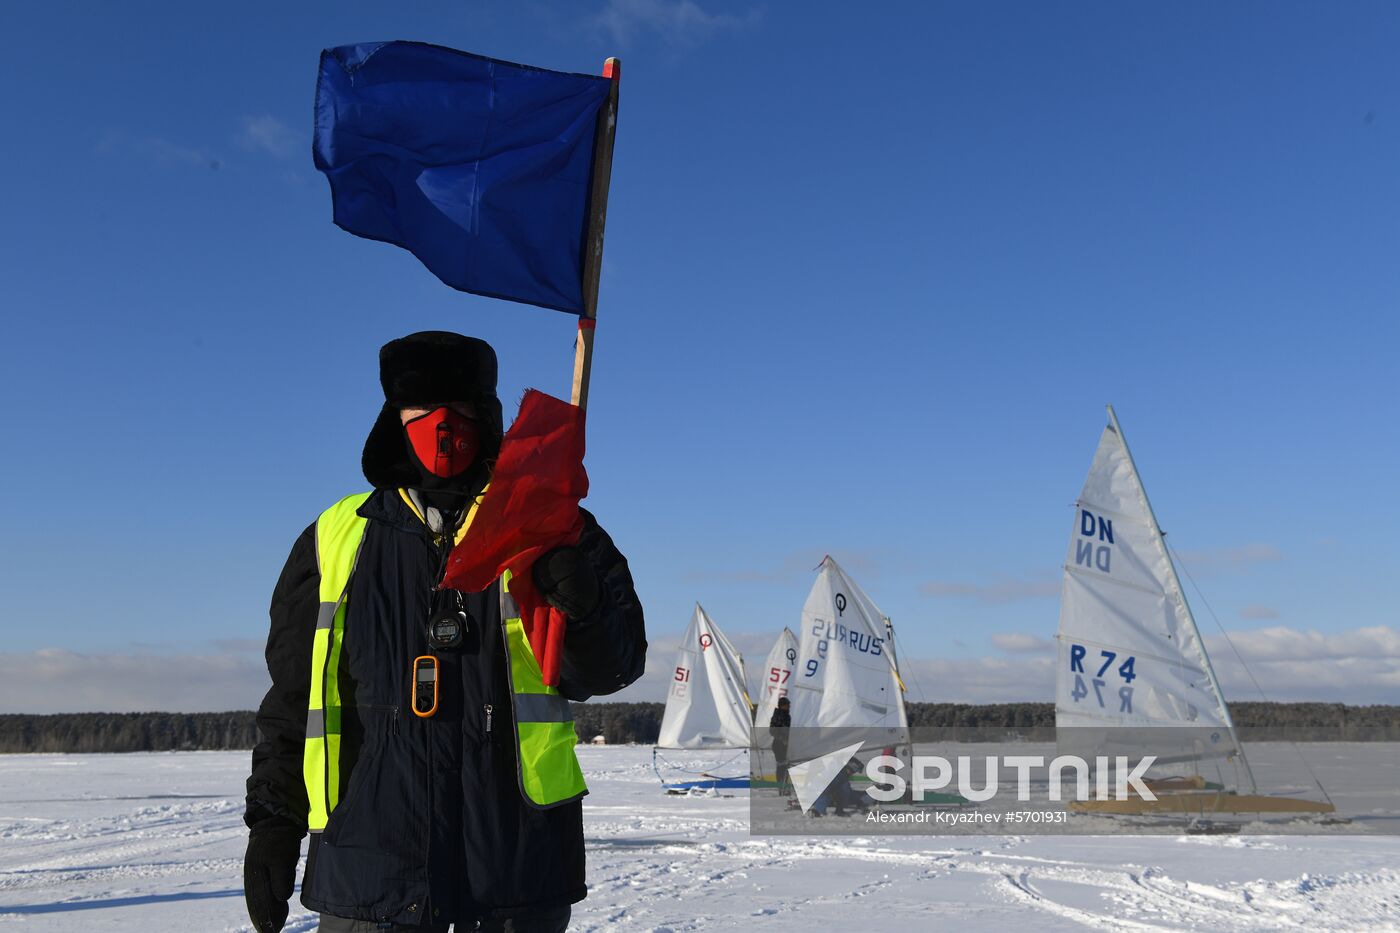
<point>544,725</point>
<point>339,533</point>
<point>548,768</point>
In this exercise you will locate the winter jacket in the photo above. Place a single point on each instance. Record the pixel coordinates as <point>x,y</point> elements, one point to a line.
<point>779,723</point>
<point>431,826</point>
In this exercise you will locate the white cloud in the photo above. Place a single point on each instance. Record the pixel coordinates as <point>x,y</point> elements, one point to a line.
<point>678,22</point>
<point>1002,591</point>
<point>1359,666</point>
<point>56,680</point>
<point>1024,678</point>
<point>1022,643</point>
<point>1282,643</point>
<point>269,134</point>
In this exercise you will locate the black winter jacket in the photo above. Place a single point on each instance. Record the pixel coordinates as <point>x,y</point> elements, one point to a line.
<point>431,826</point>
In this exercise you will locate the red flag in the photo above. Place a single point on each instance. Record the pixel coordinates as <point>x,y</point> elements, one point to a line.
<point>530,507</point>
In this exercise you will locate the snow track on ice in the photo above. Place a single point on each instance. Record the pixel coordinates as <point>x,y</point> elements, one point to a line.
<point>155,843</point>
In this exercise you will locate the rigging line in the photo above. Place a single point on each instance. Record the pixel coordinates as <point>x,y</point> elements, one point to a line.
<point>1254,680</point>
<point>1239,657</point>
<point>899,649</point>
<point>656,754</point>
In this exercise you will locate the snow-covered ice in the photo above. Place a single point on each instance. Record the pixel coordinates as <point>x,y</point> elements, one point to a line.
<point>154,842</point>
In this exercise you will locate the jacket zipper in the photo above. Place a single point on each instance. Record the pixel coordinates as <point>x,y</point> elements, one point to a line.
<point>488,709</point>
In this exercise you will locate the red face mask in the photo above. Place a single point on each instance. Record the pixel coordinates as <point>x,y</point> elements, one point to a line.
<point>444,441</point>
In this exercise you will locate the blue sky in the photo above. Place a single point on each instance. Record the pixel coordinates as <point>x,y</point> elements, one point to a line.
<point>871,276</point>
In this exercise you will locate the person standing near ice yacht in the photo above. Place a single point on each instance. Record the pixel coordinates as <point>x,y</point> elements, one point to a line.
<point>779,723</point>
<point>466,809</point>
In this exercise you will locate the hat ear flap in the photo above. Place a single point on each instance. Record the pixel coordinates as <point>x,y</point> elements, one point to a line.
<point>489,412</point>
<point>385,460</point>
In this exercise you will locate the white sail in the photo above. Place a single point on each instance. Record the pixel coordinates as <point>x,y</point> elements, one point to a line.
<point>1129,650</point>
<point>845,673</point>
<point>776,676</point>
<point>708,703</point>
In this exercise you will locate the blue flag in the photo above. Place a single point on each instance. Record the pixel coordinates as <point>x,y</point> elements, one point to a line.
<point>480,168</point>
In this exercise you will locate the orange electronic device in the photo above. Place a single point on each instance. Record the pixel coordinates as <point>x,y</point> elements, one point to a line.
<point>424,690</point>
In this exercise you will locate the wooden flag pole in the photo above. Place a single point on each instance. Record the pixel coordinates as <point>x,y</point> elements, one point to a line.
<point>597,219</point>
<point>551,620</point>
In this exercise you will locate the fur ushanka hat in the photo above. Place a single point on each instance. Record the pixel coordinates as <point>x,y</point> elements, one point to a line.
<point>431,366</point>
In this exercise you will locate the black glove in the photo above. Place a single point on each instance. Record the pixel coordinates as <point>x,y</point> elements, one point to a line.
<point>269,873</point>
<point>568,582</point>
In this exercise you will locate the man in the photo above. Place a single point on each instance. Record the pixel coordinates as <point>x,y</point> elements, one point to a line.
<point>843,793</point>
<point>779,723</point>
<point>442,796</point>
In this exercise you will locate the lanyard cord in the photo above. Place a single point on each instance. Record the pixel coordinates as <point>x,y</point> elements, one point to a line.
<point>445,543</point>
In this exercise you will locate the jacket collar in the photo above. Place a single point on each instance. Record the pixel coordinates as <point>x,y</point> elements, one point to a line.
<point>398,509</point>
<point>389,508</point>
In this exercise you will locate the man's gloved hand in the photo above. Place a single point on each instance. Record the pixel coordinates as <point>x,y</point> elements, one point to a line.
<point>568,582</point>
<point>269,873</point>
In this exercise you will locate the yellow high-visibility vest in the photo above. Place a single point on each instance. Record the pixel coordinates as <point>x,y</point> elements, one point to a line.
<point>548,768</point>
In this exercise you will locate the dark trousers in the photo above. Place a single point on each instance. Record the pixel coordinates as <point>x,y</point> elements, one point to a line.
<point>549,920</point>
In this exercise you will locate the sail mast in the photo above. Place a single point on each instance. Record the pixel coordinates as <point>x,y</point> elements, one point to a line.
<point>894,658</point>
<point>1160,538</point>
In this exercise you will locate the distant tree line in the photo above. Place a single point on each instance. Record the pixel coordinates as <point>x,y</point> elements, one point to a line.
<point>640,723</point>
<point>981,716</point>
<point>126,732</point>
<point>618,723</point>
<point>1316,722</point>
